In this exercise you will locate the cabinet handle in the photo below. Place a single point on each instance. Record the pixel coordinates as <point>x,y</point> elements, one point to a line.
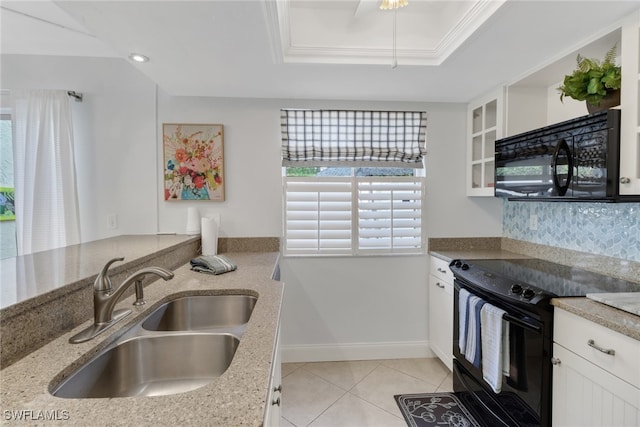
<point>439,285</point>
<point>441,270</point>
<point>278,389</point>
<point>625,180</point>
<point>592,343</point>
<point>276,402</point>
<point>555,361</point>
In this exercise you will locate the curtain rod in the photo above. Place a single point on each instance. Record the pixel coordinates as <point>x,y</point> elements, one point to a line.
<point>76,95</point>
<point>72,93</point>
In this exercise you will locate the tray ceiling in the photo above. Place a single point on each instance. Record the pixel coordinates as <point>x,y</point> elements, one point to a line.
<point>358,32</point>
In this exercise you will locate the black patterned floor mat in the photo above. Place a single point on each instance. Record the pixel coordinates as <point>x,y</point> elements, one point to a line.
<point>434,409</point>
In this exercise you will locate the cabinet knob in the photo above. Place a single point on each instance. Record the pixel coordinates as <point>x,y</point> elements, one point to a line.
<point>555,361</point>
<point>624,180</point>
<point>276,402</point>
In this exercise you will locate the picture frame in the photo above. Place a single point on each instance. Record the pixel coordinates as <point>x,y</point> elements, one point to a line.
<point>193,161</point>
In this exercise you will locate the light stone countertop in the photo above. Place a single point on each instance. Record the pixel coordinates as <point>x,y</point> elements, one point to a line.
<point>236,398</point>
<point>29,280</point>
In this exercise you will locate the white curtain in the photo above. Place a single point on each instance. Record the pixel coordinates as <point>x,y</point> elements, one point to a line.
<point>45,176</point>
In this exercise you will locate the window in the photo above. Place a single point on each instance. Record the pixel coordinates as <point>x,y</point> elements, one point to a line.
<point>7,198</point>
<point>356,206</point>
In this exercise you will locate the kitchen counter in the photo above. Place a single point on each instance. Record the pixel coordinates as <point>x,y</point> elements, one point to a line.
<point>235,398</point>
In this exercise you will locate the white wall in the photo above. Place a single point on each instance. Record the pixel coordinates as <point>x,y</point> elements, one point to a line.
<point>252,164</point>
<point>568,109</point>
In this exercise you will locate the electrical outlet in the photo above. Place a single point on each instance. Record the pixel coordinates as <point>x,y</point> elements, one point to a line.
<point>533,222</point>
<point>112,221</point>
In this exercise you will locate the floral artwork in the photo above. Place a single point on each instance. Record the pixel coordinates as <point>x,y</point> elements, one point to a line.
<point>193,162</point>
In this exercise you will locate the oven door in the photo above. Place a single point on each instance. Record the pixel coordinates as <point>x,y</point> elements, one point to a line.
<point>524,399</point>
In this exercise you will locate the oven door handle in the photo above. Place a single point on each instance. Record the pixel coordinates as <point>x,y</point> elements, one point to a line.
<point>511,319</point>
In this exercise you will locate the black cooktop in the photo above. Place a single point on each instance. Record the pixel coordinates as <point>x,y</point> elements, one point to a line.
<point>552,278</point>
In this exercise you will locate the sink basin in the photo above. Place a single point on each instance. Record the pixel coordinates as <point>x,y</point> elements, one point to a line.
<point>152,366</point>
<point>199,312</point>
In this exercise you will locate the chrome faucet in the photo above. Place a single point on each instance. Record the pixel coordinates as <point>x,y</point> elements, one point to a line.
<point>105,299</point>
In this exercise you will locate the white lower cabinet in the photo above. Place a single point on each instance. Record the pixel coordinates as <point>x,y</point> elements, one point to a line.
<point>273,405</point>
<point>589,386</point>
<point>441,311</point>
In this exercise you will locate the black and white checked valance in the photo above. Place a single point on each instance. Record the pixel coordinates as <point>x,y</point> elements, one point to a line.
<point>350,138</point>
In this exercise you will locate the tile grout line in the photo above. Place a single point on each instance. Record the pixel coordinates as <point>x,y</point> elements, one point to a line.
<point>327,381</point>
<point>417,378</point>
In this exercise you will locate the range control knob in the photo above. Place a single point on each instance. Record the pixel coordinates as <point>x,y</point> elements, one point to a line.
<point>528,293</point>
<point>465,266</point>
<point>516,289</point>
<point>458,264</point>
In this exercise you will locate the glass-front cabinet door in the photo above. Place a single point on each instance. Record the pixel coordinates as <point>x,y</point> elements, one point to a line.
<point>485,125</point>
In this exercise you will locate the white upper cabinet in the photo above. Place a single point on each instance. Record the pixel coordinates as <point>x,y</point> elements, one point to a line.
<point>485,125</point>
<point>630,103</point>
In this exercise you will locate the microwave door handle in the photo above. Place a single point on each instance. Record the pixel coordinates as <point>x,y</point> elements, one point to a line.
<point>562,189</point>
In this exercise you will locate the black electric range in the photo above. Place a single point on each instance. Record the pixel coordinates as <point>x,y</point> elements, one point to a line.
<point>523,289</point>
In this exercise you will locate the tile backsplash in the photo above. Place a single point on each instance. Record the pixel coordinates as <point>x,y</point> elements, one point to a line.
<point>609,229</point>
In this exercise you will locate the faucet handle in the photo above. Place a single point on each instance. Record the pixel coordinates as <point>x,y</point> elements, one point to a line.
<point>103,282</point>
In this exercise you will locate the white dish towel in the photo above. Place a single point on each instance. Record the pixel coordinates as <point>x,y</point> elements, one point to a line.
<point>495,346</point>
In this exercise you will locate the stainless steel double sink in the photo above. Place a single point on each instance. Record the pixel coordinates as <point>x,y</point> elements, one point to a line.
<point>180,346</point>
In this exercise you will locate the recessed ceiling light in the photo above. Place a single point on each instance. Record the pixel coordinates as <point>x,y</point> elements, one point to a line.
<point>138,57</point>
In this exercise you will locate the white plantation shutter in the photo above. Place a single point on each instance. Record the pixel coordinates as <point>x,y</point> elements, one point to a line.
<point>318,216</point>
<point>390,215</point>
<point>353,216</point>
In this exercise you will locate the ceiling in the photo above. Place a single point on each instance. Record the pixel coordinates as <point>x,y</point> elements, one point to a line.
<point>446,50</point>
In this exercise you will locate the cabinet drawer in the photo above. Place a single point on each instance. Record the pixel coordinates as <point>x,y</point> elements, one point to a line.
<point>440,269</point>
<point>575,333</point>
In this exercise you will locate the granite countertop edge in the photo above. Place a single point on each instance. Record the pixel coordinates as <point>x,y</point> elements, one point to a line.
<point>237,397</point>
<point>450,255</point>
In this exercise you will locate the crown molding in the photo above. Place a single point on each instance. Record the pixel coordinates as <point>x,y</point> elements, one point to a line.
<point>284,49</point>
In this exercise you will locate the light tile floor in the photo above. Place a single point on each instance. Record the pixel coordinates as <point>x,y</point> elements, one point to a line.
<point>356,393</point>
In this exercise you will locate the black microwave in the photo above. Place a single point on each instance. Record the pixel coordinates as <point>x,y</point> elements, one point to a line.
<point>573,160</point>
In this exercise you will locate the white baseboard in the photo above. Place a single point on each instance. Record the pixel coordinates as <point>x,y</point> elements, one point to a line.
<point>355,351</point>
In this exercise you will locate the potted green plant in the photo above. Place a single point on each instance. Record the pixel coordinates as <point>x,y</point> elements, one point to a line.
<point>593,81</point>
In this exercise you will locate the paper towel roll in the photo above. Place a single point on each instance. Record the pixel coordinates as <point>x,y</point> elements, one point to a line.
<point>193,221</point>
<point>209,236</point>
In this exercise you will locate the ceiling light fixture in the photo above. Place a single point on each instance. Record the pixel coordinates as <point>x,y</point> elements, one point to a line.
<point>393,4</point>
<point>138,57</point>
